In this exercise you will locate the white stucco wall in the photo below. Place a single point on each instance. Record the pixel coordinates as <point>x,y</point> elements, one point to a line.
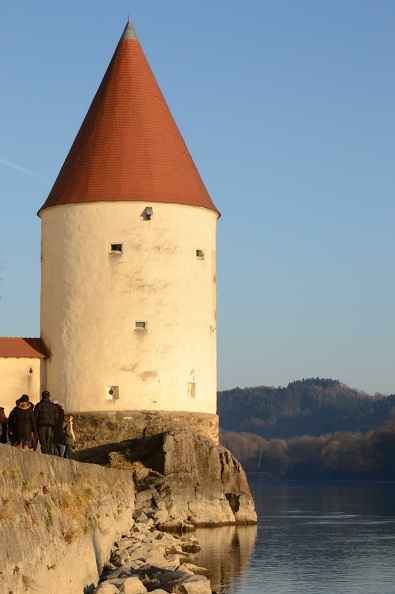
<point>17,380</point>
<point>91,300</point>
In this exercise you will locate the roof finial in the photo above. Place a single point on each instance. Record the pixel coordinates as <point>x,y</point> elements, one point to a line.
<point>129,32</point>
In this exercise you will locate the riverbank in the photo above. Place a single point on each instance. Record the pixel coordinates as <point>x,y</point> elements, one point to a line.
<point>150,560</point>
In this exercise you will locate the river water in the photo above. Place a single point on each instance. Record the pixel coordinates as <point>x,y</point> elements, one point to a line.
<point>311,538</point>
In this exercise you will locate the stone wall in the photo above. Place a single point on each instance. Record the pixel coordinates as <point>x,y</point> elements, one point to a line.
<point>97,429</point>
<point>58,521</point>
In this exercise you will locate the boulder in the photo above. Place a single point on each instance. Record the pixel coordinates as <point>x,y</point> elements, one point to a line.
<point>132,585</point>
<point>107,588</point>
<point>180,582</point>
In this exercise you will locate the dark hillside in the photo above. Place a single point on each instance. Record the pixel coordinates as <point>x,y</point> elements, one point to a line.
<point>306,407</point>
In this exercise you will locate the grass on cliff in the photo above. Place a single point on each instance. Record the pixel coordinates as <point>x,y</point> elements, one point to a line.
<point>123,461</point>
<point>76,502</point>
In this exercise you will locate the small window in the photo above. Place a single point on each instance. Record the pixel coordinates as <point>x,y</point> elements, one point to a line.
<point>200,254</point>
<point>112,393</point>
<point>140,325</point>
<point>191,389</point>
<point>115,248</point>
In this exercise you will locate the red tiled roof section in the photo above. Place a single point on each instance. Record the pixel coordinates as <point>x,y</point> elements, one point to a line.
<point>22,347</point>
<point>129,147</point>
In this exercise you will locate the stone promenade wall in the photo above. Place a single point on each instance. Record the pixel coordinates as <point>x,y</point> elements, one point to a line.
<point>58,521</point>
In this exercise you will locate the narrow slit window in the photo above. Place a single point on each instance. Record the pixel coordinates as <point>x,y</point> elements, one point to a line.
<point>116,248</point>
<point>200,254</point>
<point>140,325</point>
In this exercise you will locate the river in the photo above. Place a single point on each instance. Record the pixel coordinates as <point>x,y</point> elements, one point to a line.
<point>311,538</point>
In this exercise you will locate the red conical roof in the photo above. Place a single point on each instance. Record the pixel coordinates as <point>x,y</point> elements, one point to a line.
<point>129,147</point>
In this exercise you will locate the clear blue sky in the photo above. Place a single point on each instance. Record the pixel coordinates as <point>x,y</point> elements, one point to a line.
<point>287,108</point>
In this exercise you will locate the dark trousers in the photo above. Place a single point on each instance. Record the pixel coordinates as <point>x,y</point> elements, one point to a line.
<point>58,449</point>
<point>67,451</point>
<point>45,435</point>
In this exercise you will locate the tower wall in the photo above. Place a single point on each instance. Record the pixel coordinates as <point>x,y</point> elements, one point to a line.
<point>128,306</point>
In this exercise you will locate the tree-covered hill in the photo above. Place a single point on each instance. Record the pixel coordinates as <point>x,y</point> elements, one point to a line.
<point>306,407</point>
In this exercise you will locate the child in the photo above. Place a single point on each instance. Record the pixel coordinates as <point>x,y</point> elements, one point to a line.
<point>69,437</point>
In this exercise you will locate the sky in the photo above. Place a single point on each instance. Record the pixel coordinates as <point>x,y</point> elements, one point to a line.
<point>287,108</point>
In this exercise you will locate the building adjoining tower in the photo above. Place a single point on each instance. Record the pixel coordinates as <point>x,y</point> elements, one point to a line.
<point>128,289</point>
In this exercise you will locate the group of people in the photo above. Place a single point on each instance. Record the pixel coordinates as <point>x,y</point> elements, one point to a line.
<point>44,424</point>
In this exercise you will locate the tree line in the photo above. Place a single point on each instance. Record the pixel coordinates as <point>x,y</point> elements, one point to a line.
<point>310,406</point>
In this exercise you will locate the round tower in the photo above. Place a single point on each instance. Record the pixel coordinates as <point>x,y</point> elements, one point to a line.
<point>128,294</point>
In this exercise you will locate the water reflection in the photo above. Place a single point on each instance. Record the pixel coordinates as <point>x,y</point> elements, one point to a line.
<point>311,538</point>
<point>357,499</point>
<point>225,553</point>
<point>322,537</point>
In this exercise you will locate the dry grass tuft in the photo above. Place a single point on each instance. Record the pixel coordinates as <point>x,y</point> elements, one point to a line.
<point>75,505</point>
<point>122,464</point>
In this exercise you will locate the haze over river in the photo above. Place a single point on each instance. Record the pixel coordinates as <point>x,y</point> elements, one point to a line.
<point>311,538</point>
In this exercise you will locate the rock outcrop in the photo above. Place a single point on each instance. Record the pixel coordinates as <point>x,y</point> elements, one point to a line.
<point>187,478</point>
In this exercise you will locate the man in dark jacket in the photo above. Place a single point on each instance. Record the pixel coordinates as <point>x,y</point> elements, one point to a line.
<point>47,415</point>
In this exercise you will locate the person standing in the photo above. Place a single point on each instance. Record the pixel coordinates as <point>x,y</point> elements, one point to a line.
<point>58,432</point>
<point>47,415</point>
<point>69,437</point>
<point>11,425</point>
<point>3,426</point>
<point>23,423</point>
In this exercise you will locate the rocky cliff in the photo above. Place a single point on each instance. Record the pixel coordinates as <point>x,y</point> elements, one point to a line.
<point>183,478</point>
